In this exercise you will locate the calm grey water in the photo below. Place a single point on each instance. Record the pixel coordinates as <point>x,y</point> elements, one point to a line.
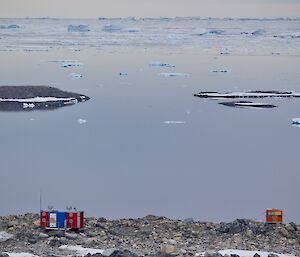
<point>220,164</point>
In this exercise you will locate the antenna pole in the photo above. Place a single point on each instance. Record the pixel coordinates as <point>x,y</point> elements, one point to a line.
<point>41,199</point>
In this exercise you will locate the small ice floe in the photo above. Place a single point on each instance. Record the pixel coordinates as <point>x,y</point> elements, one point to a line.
<point>111,28</point>
<point>249,94</point>
<point>78,28</point>
<point>161,64</point>
<point>174,122</point>
<point>81,121</point>
<point>225,53</point>
<point>259,32</point>
<point>133,30</point>
<point>75,75</point>
<point>13,254</point>
<point>28,105</point>
<point>293,35</point>
<point>219,71</point>
<point>174,74</point>
<point>11,26</point>
<point>211,32</point>
<point>296,122</point>
<point>71,64</point>
<point>67,63</point>
<point>80,251</point>
<point>123,73</point>
<point>4,236</point>
<point>248,104</point>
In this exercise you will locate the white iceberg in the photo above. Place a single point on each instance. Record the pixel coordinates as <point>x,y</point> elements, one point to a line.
<point>111,28</point>
<point>174,122</point>
<point>75,75</point>
<point>78,28</point>
<point>296,122</point>
<point>174,74</point>
<point>79,250</point>
<point>81,121</point>
<point>161,64</point>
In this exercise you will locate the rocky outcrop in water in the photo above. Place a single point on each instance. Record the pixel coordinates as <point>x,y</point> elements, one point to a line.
<point>24,98</point>
<point>150,235</point>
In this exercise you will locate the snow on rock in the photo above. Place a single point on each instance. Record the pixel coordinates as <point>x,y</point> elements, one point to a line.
<point>174,74</point>
<point>75,75</point>
<point>78,28</point>
<point>81,121</point>
<point>26,105</point>
<point>161,64</point>
<point>245,253</point>
<point>78,250</point>
<point>37,99</point>
<point>21,254</point>
<point>4,236</point>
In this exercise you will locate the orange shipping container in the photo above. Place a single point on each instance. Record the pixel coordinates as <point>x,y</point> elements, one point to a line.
<point>274,216</point>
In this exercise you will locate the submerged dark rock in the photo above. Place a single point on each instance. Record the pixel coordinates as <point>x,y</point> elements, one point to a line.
<point>25,98</point>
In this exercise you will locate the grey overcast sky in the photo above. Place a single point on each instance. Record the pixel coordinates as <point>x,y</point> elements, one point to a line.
<point>149,8</point>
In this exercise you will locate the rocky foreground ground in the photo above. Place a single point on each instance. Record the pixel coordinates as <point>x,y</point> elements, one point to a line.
<point>149,236</point>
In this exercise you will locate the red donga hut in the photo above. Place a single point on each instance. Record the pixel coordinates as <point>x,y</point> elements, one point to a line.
<point>67,220</point>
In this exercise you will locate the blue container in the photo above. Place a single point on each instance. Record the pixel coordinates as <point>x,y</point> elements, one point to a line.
<point>57,219</point>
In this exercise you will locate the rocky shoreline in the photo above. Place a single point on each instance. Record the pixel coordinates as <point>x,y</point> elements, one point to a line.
<point>148,236</point>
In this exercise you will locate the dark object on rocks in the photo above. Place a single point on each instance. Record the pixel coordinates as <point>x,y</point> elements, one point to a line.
<point>256,255</point>
<point>234,255</point>
<point>4,255</point>
<point>24,98</point>
<point>243,104</point>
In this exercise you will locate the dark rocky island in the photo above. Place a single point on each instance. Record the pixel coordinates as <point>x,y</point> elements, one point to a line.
<point>25,98</point>
<point>149,236</point>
